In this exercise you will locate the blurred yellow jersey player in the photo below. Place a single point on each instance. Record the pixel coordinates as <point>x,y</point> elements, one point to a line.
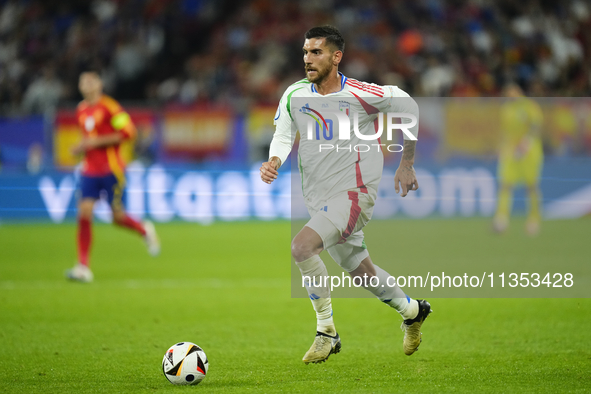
<point>521,157</point>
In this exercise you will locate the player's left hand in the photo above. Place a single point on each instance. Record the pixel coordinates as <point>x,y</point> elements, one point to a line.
<point>407,178</point>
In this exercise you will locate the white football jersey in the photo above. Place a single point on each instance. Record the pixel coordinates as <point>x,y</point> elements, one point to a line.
<point>330,160</point>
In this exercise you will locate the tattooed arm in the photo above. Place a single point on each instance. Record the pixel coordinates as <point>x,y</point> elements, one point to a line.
<point>405,174</point>
<point>399,101</point>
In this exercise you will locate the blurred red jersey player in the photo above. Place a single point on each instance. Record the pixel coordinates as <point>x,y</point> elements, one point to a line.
<point>104,125</point>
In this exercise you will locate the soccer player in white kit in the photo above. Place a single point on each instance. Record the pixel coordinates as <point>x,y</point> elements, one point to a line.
<point>340,186</point>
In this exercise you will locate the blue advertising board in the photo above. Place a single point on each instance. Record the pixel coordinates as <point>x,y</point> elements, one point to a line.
<point>165,193</point>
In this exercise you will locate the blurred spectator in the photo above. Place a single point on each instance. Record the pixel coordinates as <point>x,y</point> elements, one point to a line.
<point>130,60</point>
<point>437,79</point>
<point>43,94</point>
<point>232,52</point>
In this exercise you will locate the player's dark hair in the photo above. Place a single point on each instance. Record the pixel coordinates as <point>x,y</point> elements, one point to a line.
<point>95,71</point>
<point>332,34</point>
<point>91,67</point>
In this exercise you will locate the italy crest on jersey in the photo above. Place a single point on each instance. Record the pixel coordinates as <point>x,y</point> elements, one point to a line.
<point>344,107</point>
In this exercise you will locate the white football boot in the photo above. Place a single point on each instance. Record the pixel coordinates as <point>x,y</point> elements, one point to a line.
<point>151,238</point>
<point>80,273</point>
<point>324,345</point>
<point>412,328</point>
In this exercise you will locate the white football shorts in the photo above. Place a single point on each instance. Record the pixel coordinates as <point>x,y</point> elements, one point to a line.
<point>339,222</point>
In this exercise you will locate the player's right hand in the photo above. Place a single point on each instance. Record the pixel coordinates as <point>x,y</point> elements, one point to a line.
<point>84,145</point>
<point>78,149</point>
<point>269,170</point>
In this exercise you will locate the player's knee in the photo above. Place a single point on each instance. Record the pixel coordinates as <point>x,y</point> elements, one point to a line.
<point>301,251</point>
<point>85,209</point>
<point>84,214</point>
<point>298,250</point>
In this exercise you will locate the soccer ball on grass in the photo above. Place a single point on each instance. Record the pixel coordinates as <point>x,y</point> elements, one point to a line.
<point>185,363</point>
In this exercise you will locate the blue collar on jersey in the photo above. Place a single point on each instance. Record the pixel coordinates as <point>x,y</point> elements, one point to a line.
<point>343,80</point>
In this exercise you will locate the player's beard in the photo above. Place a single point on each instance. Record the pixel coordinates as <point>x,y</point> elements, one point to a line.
<point>321,73</point>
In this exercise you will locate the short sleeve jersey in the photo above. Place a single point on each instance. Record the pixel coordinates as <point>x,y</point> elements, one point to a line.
<point>103,118</point>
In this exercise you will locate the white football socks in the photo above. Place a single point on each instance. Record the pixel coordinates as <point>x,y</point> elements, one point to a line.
<point>317,287</point>
<point>393,295</point>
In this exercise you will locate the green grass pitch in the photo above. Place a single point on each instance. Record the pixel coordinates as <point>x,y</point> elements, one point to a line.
<point>226,287</point>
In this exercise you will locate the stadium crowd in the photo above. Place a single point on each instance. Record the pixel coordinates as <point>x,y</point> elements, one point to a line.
<point>238,51</point>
